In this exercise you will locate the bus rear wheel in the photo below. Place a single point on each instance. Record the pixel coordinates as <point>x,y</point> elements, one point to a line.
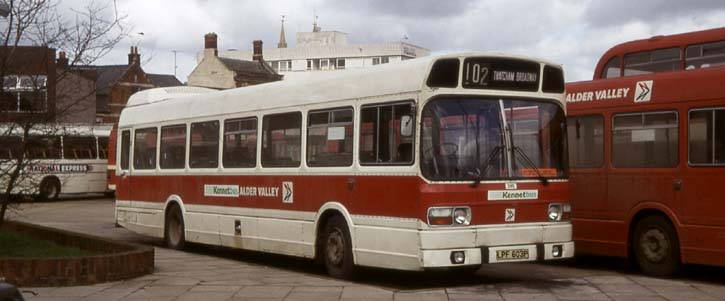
<point>656,247</point>
<point>49,189</point>
<point>337,249</point>
<point>174,229</point>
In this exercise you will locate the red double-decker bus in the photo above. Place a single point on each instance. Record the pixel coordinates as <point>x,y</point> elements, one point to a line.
<point>647,152</point>
<point>438,162</point>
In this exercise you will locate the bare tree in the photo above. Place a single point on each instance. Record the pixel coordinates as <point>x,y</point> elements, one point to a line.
<point>37,96</point>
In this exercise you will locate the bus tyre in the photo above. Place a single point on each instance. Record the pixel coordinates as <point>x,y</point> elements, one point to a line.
<point>174,230</point>
<point>656,247</point>
<point>49,189</point>
<point>337,249</point>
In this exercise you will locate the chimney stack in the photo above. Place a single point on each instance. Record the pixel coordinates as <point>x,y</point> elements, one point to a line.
<point>62,61</point>
<point>210,44</point>
<point>133,56</point>
<point>257,46</point>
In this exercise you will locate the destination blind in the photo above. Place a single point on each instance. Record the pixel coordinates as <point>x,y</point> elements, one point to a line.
<point>501,74</point>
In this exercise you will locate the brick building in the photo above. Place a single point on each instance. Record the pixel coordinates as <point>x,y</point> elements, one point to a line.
<point>218,72</point>
<point>29,80</point>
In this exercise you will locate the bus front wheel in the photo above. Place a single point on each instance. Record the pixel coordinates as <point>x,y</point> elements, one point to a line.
<point>174,236</point>
<point>49,189</point>
<point>337,249</point>
<point>656,247</point>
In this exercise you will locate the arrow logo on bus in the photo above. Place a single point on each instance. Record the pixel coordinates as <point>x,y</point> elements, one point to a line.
<point>643,91</point>
<point>287,192</point>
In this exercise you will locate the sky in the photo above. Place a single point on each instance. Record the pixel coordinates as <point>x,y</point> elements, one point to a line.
<point>574,33</point>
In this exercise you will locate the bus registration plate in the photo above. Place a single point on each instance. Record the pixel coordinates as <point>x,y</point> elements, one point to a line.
<point>512,254</point>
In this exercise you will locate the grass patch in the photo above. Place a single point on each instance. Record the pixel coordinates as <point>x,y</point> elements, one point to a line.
<point>14,245</point>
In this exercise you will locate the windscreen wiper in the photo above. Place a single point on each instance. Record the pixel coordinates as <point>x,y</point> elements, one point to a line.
<point>478,173</point>
<point>527,161</point>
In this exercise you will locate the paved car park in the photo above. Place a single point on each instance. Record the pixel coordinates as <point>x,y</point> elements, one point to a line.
<point>207,273</point>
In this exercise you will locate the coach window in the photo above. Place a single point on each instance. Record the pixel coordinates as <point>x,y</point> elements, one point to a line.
<point>79,147</point>
<point>706,137</point>
<point>204,149</point>
<point>329,138</point>
<point>586,141</point>
<point>240,143</point>
<point>611,69</point>
<point>281,140</point>
<point>647,62</point>
<point>44,147</point>
<point>144,148</point>
<point>10,147</point>
<point>645,140</point>
<point>705,55</point>
<point>125,149</point>
<point>386,134</point>
<point>173,147</point>
<point>102,147</point>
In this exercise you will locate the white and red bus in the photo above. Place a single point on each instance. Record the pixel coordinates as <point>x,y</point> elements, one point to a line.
<point>647,152</point>
<point>68,159</point>
<point>439,162</point>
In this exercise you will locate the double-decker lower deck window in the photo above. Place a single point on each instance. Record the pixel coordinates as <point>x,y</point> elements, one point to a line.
<point>381,138</point>
<point>144,148</point>
<point>586,141</point>
<point>281,143</point>
<point>125,148</point>
<point>240,143</point>
<point>173,147</point>
<point>645,140</point>
<point>329,138</point>
<point>79,147</point>
<point>706,138</point>
<point>44,147</point>
<point>204,146</point>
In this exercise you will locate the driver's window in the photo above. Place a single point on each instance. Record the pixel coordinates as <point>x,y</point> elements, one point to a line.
<point>384,138</point>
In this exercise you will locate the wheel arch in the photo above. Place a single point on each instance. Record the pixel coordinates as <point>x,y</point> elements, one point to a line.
<point>327,211</point>
<point>643,210</point>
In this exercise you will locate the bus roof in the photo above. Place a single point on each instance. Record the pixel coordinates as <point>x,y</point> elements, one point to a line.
<point>659,42</point>
<point>385,79</point>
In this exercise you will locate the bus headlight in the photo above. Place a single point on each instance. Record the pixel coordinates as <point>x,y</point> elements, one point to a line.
<point>554,212</point>
<point>449,216</point>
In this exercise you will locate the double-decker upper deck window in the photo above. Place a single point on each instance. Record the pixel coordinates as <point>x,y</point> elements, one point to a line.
<point>281,140</point>
<point>386,134</point>
<point>329,138</point>
<point>44,147</point>
<point>611,68</point>
<point>79,147</point>
<point>586,141</point>
<point>125,148</point>
<point>173,147</point>
<point>645,140</point>
<point>707,137</point>
<point>654,61</point>
<point>204,146</point>
<point>240,143</point>
<point>705,55</point>
<point>102,147</point>
<point>144,148</point>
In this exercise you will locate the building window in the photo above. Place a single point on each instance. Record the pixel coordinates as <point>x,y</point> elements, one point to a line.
<point>381,139</point>
<point>173,147</point>
<point>44,147</point>
<point>79,147</point>
<point>706,138</point>
<point>586,141</point>
<point>324,64</point>
<point>329,138</point>
<point>281,143</point>
<point>204,145</point>
<point>144,148</point>
<point>376,61</point>
<point>340,64</point>
<point>24,93</point>
<point>281,66</point>
<point>705,55</point>
<point>647,62</point>
<point>644,140</point>
<point>240,143</point>
<point>313,64</point>
<point>125,148</point>
<point>384,60</point>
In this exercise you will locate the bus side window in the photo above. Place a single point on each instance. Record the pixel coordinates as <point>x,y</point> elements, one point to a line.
<point>240,143</point>
<point>281,140</point>
<point>586,141</point>
<point>44,147</point>
<point>329,138</point>
<point>381,139</point>
<point>204,145</point>
<point>611,69</point>
<point>173,147</point>
<point>706,138</point>
<point>645,140</point>
<point>144,148</point>
<point>79,147</point>
<point>125,149</point>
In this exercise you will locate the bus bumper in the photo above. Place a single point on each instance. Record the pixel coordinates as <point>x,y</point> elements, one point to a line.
<point>496,244</point>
